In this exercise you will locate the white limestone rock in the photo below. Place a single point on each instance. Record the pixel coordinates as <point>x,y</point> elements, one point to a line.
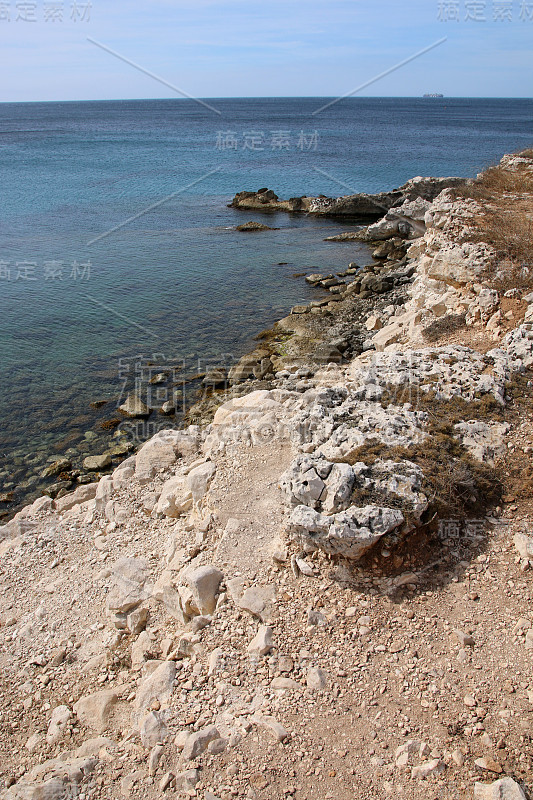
<point>524,545</point>
<point>93,710</point>
<point>199,478</point>
<point>153,729</point>
<point>263,642</point>
<point>61,715</point>
<point>128,588</point>
<point>349,533</point>
<point>485,441</point>
<point>204,583</point>
<point>197,742</point>
<point>82,494</point>
<point>158,686</point>
<point>104,492</point>
<point>175,498</point>
<point>502,789</point>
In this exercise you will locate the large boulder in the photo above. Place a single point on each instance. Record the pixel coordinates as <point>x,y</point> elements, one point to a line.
<point>349,533</point>
<point>165,592</point>
<point>163,449</point>
<point>395,426</point>
<point>104,492</point>
<point>519,344</point>
<point>253,418</point>
<point>456,264</point>
<point>153,456</point>
<point>485,441</point>
<point>82,494</point>
<point>406,220</point>
<point>96,463</point>
<point>502,789</point>
<point>199,479</point>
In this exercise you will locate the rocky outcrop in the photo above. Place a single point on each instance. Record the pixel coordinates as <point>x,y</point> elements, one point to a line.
<point>321,494</point>
<point>349,533</point>
<point>360,205</point>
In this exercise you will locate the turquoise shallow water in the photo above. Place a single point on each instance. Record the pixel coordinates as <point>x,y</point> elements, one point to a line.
<point>177,283</point>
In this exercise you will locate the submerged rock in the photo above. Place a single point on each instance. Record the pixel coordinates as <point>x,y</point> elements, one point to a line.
<point>61,465</point>
<point>254,226</point>
<point>95,463</point>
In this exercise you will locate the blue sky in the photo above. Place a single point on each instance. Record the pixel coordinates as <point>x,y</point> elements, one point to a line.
<point>234,48</point>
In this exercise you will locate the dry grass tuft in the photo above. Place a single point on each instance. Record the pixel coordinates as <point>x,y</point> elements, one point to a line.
<point>510,233</point>
<point>458,486</point>
<point>506,222</point>
<point>497,181</point>
<point>444,326</point>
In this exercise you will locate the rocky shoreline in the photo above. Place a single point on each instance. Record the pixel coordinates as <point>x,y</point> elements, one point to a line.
<point>64,472</point>
<point>321,586</point>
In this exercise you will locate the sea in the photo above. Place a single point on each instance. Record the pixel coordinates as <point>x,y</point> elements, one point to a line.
<point>120,261</point>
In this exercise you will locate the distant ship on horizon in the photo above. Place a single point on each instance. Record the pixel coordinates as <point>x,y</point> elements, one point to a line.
<point>433,94</point>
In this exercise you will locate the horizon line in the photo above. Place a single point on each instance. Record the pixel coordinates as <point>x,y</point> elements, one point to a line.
<point>266,97</point>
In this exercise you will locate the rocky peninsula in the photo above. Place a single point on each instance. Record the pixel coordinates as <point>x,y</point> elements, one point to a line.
<point>356,205</point>
<point>321,587</point>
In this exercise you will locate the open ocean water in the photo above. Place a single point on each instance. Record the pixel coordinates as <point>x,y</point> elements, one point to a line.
<point>116,242</point>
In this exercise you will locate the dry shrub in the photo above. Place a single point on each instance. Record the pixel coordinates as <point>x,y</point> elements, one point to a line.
<point>450,323</point>
<point>498,181</point>
<point>456,485</point>
<point>452,410</point>
<point>510,232</point>
<point>506,222</point>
